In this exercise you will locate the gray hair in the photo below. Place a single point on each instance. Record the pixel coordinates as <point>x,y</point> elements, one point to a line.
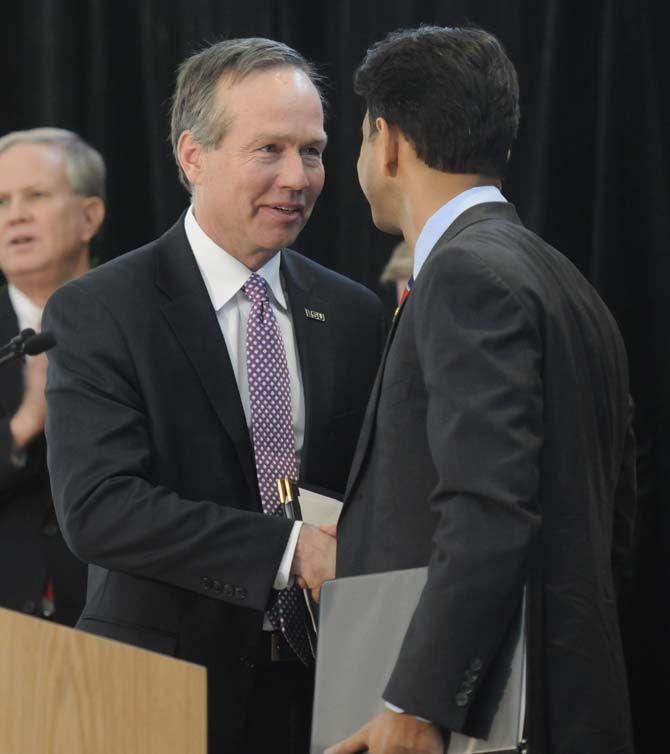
<point>84,166</point>
<point>193,105</point>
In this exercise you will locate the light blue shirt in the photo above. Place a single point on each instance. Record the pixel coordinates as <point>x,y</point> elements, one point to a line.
<point>438,222</point>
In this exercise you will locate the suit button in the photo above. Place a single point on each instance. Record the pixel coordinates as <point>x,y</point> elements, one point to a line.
<point>207,582</point>
<point>476,664</point>
<point>240,593</point>
<point>247,663</point>
<point>462,699</point>
<point>470,678</point>
<point>228,590</point>
<point>218,586</point>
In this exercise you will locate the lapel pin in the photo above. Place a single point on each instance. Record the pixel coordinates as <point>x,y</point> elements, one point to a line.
<point>319,316</point>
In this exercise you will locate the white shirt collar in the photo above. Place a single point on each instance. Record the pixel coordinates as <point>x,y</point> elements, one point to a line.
<point>439,221</point>
<point>27,313</point>
<point>223,274</point>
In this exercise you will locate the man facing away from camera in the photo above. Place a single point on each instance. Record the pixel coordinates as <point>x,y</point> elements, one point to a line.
<point>190,374</point>
<point>52,204</point>
<point>497,449</point>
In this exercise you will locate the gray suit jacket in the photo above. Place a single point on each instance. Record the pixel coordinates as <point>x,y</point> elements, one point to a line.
<point>497,448</point>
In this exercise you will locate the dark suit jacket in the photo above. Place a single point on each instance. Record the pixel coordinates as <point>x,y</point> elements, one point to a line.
<point>31,545</point>
<point>497,448</point>
<point>152,466</point>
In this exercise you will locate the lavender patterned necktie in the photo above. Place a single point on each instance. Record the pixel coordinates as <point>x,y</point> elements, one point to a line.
<point>273,440</point>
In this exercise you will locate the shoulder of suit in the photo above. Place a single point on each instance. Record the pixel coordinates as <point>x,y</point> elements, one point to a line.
<point>493,242</point>
<point>131,272</point>
<point>123,284</point>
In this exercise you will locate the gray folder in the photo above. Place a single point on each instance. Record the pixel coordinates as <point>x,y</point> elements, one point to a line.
<point>363,620</point>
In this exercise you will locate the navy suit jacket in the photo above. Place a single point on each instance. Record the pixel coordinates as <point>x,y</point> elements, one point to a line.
<point>151,461</point>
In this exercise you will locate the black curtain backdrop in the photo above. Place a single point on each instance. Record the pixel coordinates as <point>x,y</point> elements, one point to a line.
<point>588,173</point>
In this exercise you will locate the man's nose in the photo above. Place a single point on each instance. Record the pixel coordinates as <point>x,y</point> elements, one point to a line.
<point>18,210</point>
<point>292,172</point>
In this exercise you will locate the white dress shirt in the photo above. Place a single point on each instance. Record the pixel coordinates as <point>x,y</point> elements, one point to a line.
<point>435,227</point>
<point>224,277</point>
<point>27,313</point>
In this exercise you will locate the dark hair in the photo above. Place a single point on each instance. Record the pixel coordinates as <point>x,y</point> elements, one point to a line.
<point>453,93</point>
<point>194,102</point>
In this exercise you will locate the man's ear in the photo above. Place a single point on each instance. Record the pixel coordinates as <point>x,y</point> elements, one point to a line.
<point>389,136</point>
<point>94,213</point>
<point>190,156</point>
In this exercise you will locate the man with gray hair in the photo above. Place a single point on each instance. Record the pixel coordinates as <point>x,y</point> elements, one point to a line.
<point>52,187</point>
<point>193,373</point>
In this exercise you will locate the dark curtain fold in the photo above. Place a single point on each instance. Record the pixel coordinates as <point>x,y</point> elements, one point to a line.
<point>588,173</point>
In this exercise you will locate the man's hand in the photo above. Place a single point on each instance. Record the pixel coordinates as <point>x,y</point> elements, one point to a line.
<point>393,733</point>
<point>314,559</point>
<point>28,421</point>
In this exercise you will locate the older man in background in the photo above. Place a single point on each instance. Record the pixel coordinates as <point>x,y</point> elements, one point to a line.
<point>52,187</point>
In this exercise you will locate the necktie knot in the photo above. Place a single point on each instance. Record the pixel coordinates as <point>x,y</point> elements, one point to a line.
<point>256,289</point>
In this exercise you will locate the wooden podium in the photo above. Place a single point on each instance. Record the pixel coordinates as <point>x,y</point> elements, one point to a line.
<point>63,691</point>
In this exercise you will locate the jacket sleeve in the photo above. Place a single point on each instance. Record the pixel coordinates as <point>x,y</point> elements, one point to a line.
<point>623,530</point>
<point>10,473</point>
<point>480,357</point>
<point>16,473</point>
<point>111,511</point>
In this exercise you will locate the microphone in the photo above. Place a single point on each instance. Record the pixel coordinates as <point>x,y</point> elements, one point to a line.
<point>16,343</point>
<point>39,343</point>
<point>26,343</point>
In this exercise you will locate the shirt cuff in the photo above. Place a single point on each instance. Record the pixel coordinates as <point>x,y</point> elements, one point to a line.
<point>19,458</point>
<point>283,578</point>
<point>400,711</point>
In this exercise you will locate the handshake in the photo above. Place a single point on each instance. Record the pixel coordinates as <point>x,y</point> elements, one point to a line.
<point>314,557</point>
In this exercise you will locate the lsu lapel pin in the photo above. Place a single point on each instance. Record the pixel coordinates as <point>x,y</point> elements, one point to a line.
<point>319,316</point>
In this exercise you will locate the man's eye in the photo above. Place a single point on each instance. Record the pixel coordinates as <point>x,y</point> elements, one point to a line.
<point>38,194</point>
<point>269,148</point>
<point>312,152</point>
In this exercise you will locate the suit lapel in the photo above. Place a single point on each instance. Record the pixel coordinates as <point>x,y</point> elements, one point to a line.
<point>316,350</point>
<point>371,410</point>
<point>192,318</point>
<point>9,324</point>
<point>11,379</point>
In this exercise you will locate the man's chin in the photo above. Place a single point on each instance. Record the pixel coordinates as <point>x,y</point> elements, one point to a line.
<point>17,268</point>
<point>266,248</point>
<point>280,240</point>
<point>386,225</point>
